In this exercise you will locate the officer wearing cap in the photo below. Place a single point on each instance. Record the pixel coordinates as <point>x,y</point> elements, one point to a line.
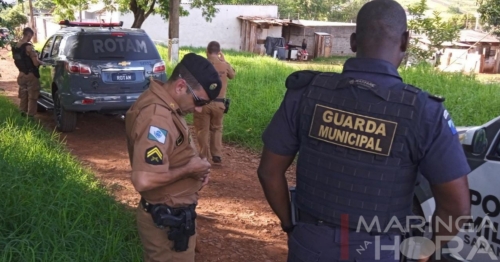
<point>361,135</point>
<point>166,168</point>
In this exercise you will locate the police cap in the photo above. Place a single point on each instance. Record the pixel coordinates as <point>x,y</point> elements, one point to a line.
<point>204,72</point>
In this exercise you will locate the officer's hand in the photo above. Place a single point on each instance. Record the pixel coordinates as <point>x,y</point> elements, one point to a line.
<point>221,57</point>
<point>205,181</point>
<point>199,168</point>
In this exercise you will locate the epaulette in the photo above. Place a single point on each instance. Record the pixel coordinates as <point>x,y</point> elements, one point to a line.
<point>437,98</point>
<point>412,89</point>
<point>300,79</point>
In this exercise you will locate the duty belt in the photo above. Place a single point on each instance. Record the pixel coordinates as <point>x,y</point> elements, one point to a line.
<point>310,219</point>
<point>148,207</point>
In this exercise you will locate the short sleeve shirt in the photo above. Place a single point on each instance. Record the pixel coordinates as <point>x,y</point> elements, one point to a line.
<point>441,156</point>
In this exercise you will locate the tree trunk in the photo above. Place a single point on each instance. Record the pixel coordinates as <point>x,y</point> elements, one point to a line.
<point>173,31</point>
<point>140,15</point>
<point>33,23</point>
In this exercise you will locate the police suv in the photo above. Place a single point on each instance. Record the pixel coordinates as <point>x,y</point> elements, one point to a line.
<point>479,239</point>
<point>95,67</point>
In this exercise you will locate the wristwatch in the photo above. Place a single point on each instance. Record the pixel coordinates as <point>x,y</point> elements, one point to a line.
<point>287,229</point>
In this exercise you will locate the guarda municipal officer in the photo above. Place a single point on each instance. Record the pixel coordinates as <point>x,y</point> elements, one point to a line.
<point>166,168</point>
<point>208,122</point>
<point>362,135</point>
<point>26,60</point>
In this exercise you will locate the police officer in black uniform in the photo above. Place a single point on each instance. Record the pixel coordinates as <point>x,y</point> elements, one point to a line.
<point>362,136</point>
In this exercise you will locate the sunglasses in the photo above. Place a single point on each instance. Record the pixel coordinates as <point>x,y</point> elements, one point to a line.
<point>197,101</point>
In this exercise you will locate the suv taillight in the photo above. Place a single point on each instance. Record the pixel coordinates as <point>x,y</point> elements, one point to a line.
<point>78,68</point>
<point>159,67</point>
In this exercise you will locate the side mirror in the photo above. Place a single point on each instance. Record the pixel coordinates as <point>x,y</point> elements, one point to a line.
<point>475,141</point>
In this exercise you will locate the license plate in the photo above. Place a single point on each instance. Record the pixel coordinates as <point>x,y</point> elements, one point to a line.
<point>123,77</point>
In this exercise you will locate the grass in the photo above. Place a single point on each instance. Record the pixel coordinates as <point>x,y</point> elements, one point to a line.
<point>258,89</point>
<point>52,208</point>
<point>55,210</point>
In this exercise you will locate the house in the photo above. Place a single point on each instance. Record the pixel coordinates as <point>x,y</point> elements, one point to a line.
<point>194,30</point>
<point>473,51</point>
<point>321,36</point>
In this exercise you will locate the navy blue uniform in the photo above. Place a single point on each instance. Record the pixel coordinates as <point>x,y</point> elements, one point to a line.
<point>440,159</point>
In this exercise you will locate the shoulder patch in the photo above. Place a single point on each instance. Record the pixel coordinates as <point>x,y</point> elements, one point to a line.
<point>154,156</point>
<point>157,134</point>
<point>437,98</point>
<point>300,79</point>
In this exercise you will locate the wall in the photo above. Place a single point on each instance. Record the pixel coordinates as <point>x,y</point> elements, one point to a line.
<point>341,37</point>
<point>195,31</point>
<point>45,27</point>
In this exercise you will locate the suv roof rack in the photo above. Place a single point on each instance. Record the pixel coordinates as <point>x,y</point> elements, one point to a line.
<point>90,24</point>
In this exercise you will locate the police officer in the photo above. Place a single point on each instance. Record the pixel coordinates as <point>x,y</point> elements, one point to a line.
<point>26,60</point>
<point>362,135</point>
<point>208,122</point>
<point>166,168</point>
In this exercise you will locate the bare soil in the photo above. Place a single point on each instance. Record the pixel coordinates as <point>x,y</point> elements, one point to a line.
<point>235,221</point>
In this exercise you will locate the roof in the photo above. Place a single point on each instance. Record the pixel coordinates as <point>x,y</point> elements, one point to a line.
<point>264,20</point>
<point>74,29</point>
<point>476,36</point>
<point>312,23</point>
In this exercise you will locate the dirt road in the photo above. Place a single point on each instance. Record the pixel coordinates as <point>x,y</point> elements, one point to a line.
<point>236,223</point>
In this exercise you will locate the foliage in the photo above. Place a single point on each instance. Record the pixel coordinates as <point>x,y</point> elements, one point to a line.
<point>66,9</point>
<point>44,4</point>
<point>142,9</point>
<point>348,11</point>
<point>490,15</point>
<point>53,209</point>
<point>253,106</point>
<point>435,28</point>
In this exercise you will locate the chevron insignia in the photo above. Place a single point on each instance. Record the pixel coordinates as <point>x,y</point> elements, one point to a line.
<point>154,156</point>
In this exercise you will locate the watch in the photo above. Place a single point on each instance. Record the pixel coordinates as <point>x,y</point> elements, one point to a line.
<point>287,229</point>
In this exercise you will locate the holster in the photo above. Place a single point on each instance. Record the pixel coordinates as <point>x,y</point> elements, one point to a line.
<point>415,232</point>
<point>226,102</point>
<point>180,222</point>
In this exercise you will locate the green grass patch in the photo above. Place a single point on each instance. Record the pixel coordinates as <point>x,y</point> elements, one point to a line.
<point>52,209</point>
<point>258,90</point>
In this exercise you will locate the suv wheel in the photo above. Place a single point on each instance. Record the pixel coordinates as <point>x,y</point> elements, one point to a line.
<point>65,120</point>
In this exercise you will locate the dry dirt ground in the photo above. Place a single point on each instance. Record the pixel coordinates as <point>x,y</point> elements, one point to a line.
<point>235,223</point>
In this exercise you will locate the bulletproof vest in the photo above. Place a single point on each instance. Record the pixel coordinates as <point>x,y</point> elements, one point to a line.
<point>358,151</point>
<point>22,61</point>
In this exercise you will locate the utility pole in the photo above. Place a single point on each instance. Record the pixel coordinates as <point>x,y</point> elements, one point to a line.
<point>33,23</point>
<point>173,31</point>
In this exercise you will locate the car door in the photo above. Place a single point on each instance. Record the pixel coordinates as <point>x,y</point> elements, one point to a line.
<point>481,240</point>
<point>45,70</point>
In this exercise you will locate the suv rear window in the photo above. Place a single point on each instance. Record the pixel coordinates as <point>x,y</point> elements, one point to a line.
<point>111,46</point>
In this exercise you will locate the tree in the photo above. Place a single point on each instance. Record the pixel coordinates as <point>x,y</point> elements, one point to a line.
<point>347,12</point>
<point>142,9</point>
<point>490,15</point>
<point>65,9</point>
<point>44,4</point>
<point>434,28</point>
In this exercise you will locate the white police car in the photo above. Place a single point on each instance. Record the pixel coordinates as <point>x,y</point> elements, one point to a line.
<point>481,240</point>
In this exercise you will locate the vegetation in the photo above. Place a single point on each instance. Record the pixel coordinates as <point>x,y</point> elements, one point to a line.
<point>55,210</point>
<point>490,14</point>
<point>434,28</point>
<point>52,208</point>
<point>258,89</point>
